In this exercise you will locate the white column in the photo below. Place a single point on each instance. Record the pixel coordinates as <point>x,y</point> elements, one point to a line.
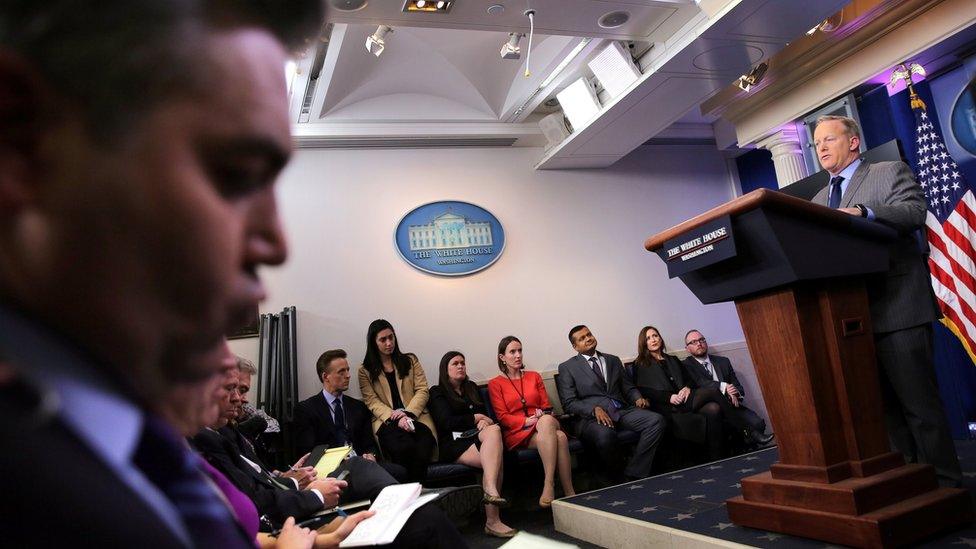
<point>787,152</point>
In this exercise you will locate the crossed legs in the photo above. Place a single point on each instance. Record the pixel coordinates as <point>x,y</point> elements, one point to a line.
<point>489,460</point>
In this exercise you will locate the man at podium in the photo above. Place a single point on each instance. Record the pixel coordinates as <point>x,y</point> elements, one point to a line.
<point>902,304</point>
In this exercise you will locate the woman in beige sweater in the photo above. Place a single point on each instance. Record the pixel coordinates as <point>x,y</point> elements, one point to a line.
<point>394,388</point>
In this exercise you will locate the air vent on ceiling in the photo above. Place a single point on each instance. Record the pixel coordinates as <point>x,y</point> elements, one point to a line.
<point>313,142</point>
<point>348,5</point>
<point>614,19</point>
<point>313,76</point>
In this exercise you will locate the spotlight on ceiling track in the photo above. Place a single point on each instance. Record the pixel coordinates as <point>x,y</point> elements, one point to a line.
<point>755,76</point>
<point>377,41</point>
<point>428,6</point>
<point>511,49</point>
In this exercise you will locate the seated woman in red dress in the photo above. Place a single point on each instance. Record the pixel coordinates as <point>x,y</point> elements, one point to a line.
<point>523,409</point>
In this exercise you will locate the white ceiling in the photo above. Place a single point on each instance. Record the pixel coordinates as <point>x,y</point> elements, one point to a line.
<point>649,20</point>
<point>441,78</point>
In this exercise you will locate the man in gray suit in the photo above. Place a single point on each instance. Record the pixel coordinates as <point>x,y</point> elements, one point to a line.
<point>593,386</point>
<point>902,304</point>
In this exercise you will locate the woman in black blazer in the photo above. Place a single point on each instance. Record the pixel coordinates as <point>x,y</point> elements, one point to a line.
<point>672,392</point>
<point>457,409</point>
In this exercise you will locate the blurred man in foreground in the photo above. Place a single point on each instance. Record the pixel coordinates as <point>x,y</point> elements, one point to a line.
<point>139,144</point>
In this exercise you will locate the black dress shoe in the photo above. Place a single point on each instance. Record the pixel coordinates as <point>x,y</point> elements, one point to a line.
<point>760,438</point>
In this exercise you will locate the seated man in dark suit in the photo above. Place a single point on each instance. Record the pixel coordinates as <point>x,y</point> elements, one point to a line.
<point>716,371</point>
<point>593,386</point>
<point>278,496</point>
<point>334,418</point>
<point>275,496</point>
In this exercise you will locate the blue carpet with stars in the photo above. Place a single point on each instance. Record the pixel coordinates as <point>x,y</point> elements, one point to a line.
<point>693,500</point>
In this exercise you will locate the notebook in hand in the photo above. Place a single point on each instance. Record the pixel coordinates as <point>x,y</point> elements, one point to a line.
<point>325,459</point>
<point>393,506</point>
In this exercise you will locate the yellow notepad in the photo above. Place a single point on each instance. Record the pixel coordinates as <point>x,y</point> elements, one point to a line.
<point>331,460</point>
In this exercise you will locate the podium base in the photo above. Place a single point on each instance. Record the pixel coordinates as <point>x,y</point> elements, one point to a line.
<point>901,523</point>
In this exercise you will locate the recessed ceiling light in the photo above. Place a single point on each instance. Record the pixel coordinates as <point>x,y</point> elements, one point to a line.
<point>495,9</point>
<point>348,5</point>
<point>614,19</point>
<point>428,6</point>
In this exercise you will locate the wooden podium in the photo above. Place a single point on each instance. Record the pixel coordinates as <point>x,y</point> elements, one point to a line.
<point>795,274</point>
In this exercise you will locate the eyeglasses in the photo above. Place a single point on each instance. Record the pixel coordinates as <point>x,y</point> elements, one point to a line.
<point>699,341</point>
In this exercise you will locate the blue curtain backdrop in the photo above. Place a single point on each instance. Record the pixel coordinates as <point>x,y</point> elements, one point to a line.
<point>756,170</point>
<point>882,119</point>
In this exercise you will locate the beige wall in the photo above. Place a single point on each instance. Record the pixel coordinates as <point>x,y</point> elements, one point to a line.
<point>574,254</point>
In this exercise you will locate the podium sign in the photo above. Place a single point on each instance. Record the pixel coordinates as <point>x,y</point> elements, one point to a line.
<point>702,246</point>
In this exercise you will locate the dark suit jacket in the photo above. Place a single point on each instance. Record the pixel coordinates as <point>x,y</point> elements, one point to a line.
<point>277,499</point>
<point>902,297</point>
<point>580,390</point>
<point>451,415</point>
<point>723,367</point>
<point>57,492</point>
<point>657,382</point>
<point>314,426</point>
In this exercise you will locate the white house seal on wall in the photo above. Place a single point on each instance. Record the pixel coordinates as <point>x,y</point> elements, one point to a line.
<point>449,238</point>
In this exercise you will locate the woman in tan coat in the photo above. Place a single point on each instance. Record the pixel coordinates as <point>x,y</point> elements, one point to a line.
<point>394,388</point>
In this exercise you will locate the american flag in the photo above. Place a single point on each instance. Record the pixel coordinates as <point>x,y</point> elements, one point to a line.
<point>950,228</point>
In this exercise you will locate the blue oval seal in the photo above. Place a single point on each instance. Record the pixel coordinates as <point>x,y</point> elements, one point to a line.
<point>449,238</point>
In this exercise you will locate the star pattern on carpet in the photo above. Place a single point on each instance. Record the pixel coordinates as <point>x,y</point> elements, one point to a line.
<point>692,504</point>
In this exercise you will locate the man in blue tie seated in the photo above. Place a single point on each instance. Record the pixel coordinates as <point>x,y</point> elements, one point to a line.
<point>716,371</point>
<point>593,386</point>
<point>139,147</point>
<point>334,418</point>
